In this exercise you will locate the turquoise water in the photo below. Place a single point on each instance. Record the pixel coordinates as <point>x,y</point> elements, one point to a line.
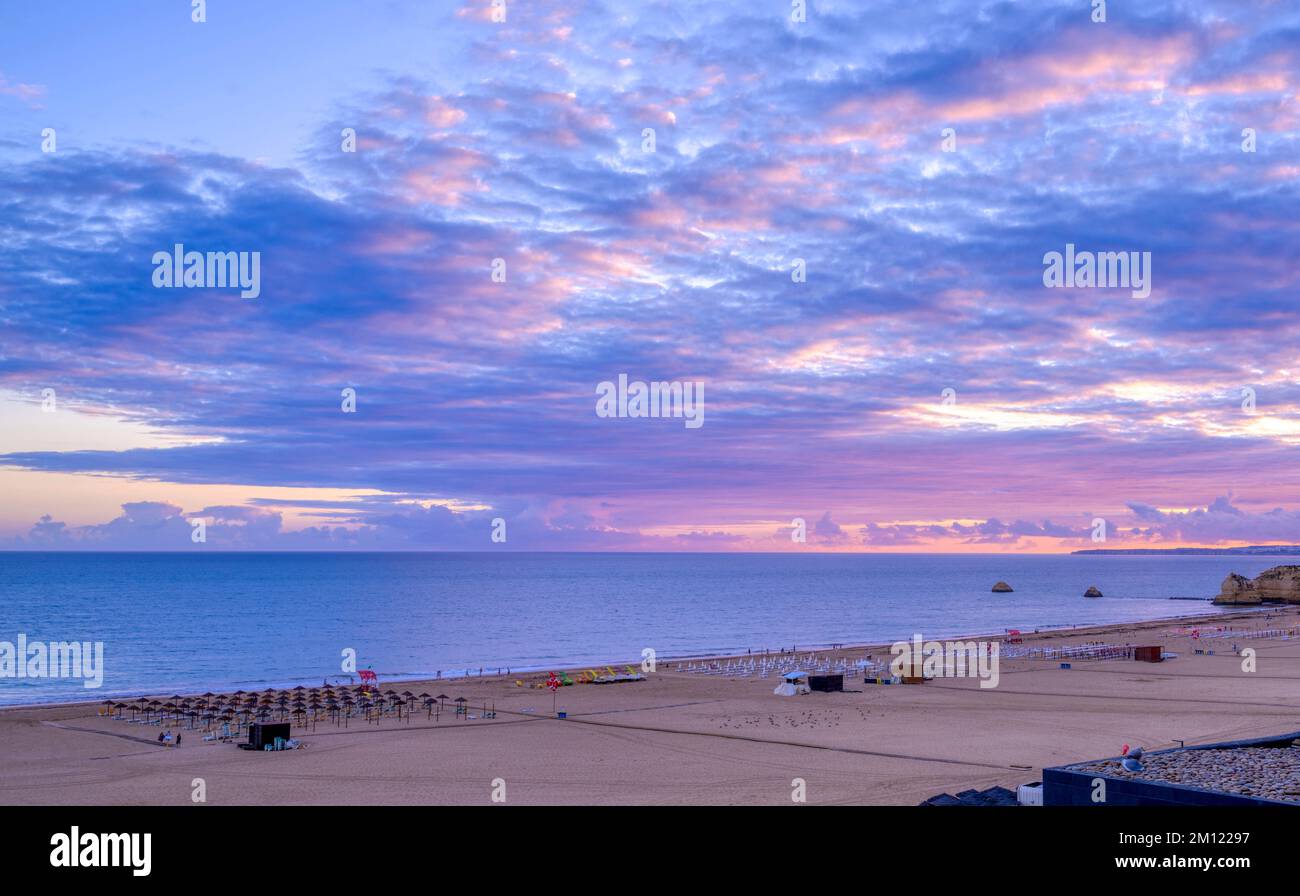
<point>186,622</point>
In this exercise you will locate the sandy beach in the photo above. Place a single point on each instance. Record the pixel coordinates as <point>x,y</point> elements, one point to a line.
<point>682,738</point>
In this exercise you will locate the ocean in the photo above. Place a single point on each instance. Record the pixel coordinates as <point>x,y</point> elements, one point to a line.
<point>178,623</point>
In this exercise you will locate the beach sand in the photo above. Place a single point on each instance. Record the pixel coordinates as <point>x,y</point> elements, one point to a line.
<point>681,738</point>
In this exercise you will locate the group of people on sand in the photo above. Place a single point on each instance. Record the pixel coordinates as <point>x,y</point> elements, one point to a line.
<point>165,737</point>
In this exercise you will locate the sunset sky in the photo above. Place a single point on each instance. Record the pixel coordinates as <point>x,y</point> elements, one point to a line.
<point>775,141</point>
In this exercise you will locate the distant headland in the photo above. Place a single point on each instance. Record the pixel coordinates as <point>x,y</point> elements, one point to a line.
<point>1257,550</point>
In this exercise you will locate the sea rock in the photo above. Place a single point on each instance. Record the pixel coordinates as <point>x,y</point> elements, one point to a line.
<point>1237,589</point>
<point>1092,592</point>
<point>1002,588</point>
<point>1281,583</point>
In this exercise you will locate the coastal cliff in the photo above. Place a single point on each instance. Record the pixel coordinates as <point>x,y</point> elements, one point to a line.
<point>1281,584</point>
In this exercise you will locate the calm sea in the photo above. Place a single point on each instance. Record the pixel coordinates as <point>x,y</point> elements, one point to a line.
<point>187,622</point>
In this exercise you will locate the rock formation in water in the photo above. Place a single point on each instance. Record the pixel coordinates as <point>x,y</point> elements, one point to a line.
<point>1002,588</point>
<point>1092,592</point>
<point>1237,589</point>
<point>1281,584</point>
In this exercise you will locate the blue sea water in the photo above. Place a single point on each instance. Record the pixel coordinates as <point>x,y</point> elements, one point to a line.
<point>187,622</point>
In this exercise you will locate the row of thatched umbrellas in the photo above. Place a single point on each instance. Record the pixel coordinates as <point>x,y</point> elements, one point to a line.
<point>302,704</point>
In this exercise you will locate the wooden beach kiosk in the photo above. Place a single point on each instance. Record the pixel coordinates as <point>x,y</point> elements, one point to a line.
<point>826,683</point>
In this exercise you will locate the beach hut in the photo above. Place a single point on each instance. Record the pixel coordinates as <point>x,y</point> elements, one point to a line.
<point>260,734</point>
<point>826,683</point>
<point>792,684</point>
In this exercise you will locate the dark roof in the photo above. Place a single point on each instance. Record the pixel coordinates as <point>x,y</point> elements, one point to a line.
<point>994,796</point>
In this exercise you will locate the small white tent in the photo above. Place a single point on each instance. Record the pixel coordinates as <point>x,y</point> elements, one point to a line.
<point>794,683</point>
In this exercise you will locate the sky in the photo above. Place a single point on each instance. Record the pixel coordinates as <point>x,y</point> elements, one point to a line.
<point>833,222</point>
